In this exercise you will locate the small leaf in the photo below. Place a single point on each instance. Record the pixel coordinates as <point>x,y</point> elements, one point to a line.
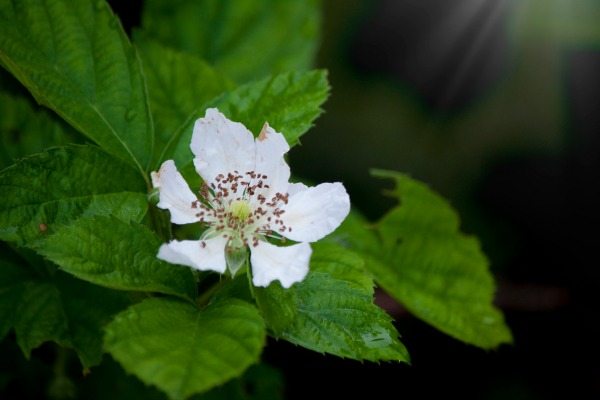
<point>332,310</point>
<point>184,350</point>
<point>245,39</point>
<point>55,307</point>
<point>119,255</point>
<point>289,102</point>
<point>25,130</point>
<point>438,273</point>
<point>46,191</point>
<point>178,83</point>
<point>74,57</point>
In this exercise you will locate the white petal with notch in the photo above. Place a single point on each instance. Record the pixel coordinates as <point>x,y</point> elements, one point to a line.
<point>175,194</point>
<point>315,212</point>
<point>288,264</point>
<point>205,255</point>
<point>221,146</point>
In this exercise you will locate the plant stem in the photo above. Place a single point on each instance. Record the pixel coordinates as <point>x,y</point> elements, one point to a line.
<point>205,297</point>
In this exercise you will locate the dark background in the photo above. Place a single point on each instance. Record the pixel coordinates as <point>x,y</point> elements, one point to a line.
<point>495,104</point>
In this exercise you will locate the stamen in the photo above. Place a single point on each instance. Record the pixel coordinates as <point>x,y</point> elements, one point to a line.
<point>245,216</point>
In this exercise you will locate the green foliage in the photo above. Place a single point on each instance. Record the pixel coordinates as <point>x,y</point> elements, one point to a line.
<point>43,304</point>
<point>185,350</point>
<point>120,255</point>
<point>46,191</point>
<point>418,255</point>
<point>25,130</point>
<point>74,57</point>
<point>332,310</point>
<point>289,102</point>
<point>246,39</point>
<point>178,84</point>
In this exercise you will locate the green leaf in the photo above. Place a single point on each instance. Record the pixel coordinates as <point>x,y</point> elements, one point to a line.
<point>109,380</point>
<point>332,310</point>
<point>178,83</point>
<point>438,273</point>
<point>75,58</point>
<point>244,39</point>
<point>46,191</point>
<point>184,350</point>
<point>116,254</point>
<point>25,130</point>
<point>52,306</point>
<point>289,102</point>
<point>259,382</point>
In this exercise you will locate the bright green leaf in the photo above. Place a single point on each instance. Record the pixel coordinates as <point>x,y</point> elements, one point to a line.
<point>185,350</point>
<point>438,273</point>
<point>289,102</point>
<point>52,306</point>
<point>178,84</point>
<point>25,130</point>
<point>332,310</point>
<point>116,254</point>
<point>246,39</point>
<point>75,58</point>
<point>46,191</point>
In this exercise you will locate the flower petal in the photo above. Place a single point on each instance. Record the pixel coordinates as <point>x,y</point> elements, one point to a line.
<point>315,212</point>
<point>175,194</point>
<point>286,264</point>
<point>294,188</point>
<point>204,255</point>
<point>221,146</point>
<point>271,146</point>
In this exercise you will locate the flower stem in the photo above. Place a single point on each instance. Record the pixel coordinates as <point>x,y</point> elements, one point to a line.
<point>205,296</point>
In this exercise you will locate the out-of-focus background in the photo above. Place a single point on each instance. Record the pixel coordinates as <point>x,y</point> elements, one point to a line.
<point>496,104</point>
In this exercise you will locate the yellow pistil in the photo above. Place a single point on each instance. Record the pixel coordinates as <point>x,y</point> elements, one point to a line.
<point>240,209</point>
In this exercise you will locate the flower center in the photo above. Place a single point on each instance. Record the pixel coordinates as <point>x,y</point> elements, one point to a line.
<point>240,209</point>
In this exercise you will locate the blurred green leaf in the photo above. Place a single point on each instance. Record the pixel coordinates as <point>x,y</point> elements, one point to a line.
<point>184,350</point>
<point>116,254</point>
<point>332,310</point>
<point>47,191</point>
<point>573,23</point>
<point>25,130</point>
<point>423,261</point>
<point>289,102</point>
<point>75,58</point>
<point>52,306</point>
<point>178,84</point>
<point>245,39</point>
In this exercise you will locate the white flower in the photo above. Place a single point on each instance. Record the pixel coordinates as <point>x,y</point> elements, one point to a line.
<point>246,199</point>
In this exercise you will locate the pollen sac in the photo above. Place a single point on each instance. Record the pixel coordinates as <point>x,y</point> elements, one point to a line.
<point>236,255</point>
